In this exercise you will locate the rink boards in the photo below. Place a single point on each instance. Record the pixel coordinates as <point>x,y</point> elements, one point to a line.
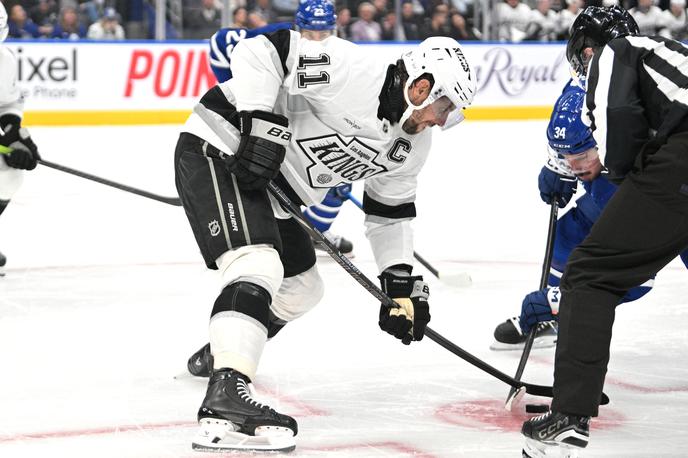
<point>147,82</point>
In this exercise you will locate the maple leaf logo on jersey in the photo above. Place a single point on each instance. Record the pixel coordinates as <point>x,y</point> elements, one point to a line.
<point>336,162</point>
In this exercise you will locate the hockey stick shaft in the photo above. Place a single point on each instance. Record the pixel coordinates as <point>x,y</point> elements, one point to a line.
<point>283,199</point>
<point>546,265</point>
<point>122,187</point>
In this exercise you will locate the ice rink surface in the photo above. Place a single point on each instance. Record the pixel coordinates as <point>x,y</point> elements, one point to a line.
<point>106,297</point>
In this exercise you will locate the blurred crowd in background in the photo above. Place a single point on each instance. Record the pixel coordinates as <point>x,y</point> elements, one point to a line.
<point>374,20</point>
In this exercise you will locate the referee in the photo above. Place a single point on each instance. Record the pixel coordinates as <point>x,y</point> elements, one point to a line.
<point>637,107</point>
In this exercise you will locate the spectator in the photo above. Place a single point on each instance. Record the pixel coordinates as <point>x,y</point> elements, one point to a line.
<point>389,25</point>
<point>20,26</point>
<point>674,21</point>
<point>366,29</point>
<point>240,18</point>
<point>69,27</point>
<point>263,8</point>
<point>344,23</point>
<point>459,30</point>
<point>203,22</point>
<point>511,19</point>
<point>566,18</point>
<point>107,28</point>
<point>438,25</point>
<point>256,19</point>
<point>92,11</point>
<point>464,7</point>
<point>381,10</point>
<point>44,15</point>
<point>544,23</point>
<point>648,17</point>
<point>410,22</point>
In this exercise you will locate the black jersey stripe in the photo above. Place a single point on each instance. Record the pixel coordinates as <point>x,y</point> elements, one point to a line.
<point>215,100</point>
<point>376,208</point>
<point>667,70</point>
<point>281,40</point>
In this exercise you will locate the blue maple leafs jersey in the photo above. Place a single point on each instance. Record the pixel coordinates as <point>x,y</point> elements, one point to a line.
<point>223,41</point>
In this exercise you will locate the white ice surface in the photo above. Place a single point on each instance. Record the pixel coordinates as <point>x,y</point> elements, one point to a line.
<point>106,297</point>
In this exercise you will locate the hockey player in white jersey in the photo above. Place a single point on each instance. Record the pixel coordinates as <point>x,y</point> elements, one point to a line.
<point>17,150</point>
<point>309,115</point>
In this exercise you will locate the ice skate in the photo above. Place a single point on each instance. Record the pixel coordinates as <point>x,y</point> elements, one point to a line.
<point>509,336</point>
<point>3,261</point>
<point>345,247</point>
<point>200,364</point>
<point>555,434</point>
<point>230,419</point>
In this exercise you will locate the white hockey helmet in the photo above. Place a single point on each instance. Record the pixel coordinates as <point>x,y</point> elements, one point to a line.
<point>444,59</point>
<point>4,28</point>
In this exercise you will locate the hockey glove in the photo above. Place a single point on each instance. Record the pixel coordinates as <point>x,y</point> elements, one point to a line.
<point>551,185</point>
<point>408,321</point>
<point>17,147</point>
<point>540,306</point>
<point>264,137</point>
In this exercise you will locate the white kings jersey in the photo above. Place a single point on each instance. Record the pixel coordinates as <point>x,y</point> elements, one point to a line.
<point>10,96</point>
<point>11,103</point>
<point>329,92</point>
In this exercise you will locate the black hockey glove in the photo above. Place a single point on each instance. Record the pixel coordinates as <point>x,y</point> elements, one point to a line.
<point>408,321</point>
<point>17,147</point>
<point>264,137</point>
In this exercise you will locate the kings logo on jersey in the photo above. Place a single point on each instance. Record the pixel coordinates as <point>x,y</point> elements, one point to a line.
<point>335,162</point>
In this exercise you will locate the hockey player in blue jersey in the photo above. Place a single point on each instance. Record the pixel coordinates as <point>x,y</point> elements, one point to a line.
<point>316,20</point>
<point>572,156</point>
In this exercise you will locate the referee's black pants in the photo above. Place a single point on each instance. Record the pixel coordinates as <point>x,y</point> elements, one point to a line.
<point>643,227</point>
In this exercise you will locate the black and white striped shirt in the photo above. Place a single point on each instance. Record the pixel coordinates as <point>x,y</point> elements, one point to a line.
<point>637,86</point>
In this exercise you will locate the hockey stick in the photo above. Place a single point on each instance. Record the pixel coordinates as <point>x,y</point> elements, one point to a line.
<point>457,279</point>
<point>546,264</point>
<point>168,200</point>
<point>536,390</point>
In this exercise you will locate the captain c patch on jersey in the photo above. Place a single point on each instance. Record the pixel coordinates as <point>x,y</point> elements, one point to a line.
<point>336,162</point>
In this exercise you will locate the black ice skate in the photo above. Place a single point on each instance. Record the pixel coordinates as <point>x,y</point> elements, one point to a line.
<point>555,434</point>
<point>509,336</point>
<point>201,363</point>
<point>231,419</point>
<point>345,247</point>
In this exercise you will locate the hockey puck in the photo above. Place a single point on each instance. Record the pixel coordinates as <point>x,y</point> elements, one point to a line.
<point>537,408</point>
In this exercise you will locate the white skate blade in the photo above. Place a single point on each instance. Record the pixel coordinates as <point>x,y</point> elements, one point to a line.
<point>220,436</point>
<point>538,343</point>
<point>456,279</point>
<point>537,449</point>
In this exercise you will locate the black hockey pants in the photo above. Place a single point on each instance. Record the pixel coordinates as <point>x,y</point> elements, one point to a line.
<point>643,227</point>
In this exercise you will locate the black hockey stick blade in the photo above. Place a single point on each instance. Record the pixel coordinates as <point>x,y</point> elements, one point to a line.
<point>122,187</point>
<point>546,264</point>
<point>283,199</point>
<point>535,390</point>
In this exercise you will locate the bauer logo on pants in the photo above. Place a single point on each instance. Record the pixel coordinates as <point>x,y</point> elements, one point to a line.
<point>214,227</point>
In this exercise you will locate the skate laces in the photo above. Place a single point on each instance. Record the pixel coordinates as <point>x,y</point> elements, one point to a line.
<point>245,394</point>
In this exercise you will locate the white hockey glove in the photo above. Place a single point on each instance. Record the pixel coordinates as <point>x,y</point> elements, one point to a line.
<point>264,137</point>
<point>408,321</point>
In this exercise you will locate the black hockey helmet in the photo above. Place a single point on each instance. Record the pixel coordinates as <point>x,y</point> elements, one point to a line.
<point>594,27</point>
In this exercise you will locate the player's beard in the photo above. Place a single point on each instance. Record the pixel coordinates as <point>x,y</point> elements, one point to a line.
<point>412,126</point>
